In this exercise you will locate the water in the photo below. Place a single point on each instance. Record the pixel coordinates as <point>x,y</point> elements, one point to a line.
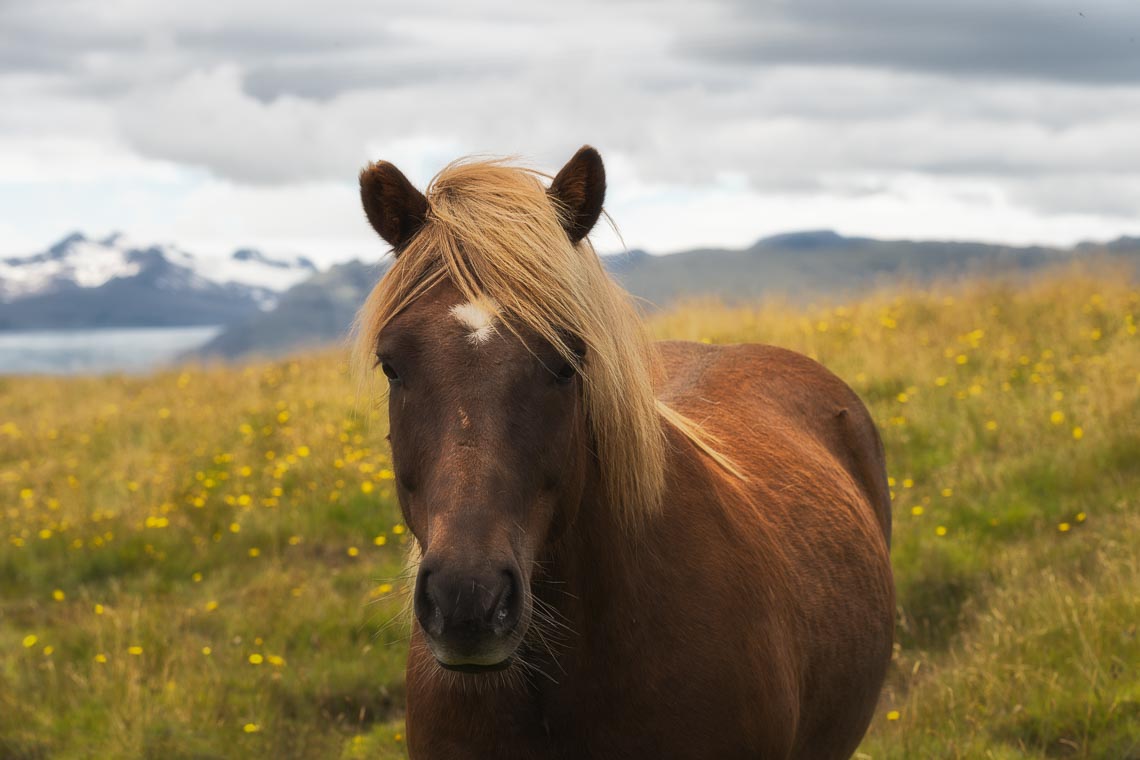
<point>75,352</point>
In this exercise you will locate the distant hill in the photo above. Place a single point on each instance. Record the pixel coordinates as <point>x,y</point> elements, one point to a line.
<point>273,304</point>
<point>112,282</point>
<point>319,310</point>
<point>800,263</point>
<point>795,265</point>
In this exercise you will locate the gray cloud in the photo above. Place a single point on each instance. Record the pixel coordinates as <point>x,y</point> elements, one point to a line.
<point>41,37</point>
<point>323,80</point>
<point>794,97</point>
<point>1040,40</point>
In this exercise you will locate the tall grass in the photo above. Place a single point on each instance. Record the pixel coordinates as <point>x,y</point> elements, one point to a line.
<point>208,562</point>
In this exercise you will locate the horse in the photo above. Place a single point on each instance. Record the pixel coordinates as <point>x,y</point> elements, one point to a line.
<point>626,549</point>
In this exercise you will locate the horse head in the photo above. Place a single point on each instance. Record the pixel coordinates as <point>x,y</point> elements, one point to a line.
<point>489,432</point>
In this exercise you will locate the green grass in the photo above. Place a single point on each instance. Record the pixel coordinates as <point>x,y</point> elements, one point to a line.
<point>248,512</point>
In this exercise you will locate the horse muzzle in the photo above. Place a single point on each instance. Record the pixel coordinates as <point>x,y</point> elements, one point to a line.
<point>471,619</point>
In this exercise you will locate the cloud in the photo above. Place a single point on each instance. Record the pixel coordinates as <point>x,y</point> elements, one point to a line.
<point>1046,40</point>
<point>206,120</point>
<point>850,110</point>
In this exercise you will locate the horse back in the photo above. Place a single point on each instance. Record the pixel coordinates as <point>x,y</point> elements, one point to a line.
<point>744,391</point>
<point>809,522</point>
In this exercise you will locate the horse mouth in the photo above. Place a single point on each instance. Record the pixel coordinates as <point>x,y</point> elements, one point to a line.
<point>470,667</point>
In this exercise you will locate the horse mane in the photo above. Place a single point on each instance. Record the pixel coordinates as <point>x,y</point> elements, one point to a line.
<point>494,232</point>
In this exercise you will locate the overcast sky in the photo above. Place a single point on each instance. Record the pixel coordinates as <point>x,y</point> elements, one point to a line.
<point>217,124</point>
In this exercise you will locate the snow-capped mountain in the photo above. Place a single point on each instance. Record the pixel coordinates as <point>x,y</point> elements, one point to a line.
<point>77,261</point>
<point>116,281</point>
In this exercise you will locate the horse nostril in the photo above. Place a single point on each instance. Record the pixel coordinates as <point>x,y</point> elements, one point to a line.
<point>424,604</point>
<point>505,611</point>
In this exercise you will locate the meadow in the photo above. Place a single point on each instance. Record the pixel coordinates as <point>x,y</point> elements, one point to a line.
<point>209,562</point>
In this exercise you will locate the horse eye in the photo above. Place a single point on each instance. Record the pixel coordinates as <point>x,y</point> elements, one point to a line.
<point>566,374</point>
<point>390,373</point>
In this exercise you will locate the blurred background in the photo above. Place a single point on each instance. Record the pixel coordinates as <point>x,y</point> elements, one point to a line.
<point>178,166</point>
<point>200,552</point>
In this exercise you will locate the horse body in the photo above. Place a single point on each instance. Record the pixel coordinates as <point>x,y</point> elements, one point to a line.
<point>749,619</point>
<point>628,550</point>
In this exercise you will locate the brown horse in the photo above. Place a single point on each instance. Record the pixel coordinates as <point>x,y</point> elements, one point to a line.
<point>628,550</point>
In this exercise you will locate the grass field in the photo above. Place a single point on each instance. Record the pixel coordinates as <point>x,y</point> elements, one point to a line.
<point>207,562</point>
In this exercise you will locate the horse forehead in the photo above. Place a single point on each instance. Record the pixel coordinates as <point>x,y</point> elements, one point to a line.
<point>477,318</point>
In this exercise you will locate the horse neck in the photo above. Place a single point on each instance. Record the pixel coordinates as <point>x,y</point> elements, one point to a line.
<point>590,573</point>
<point>601,572</point>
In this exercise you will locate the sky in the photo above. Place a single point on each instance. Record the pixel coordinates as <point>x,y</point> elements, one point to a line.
<point>219,124</point>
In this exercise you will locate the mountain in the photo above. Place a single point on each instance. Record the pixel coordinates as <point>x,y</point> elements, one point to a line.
<point>319,310</point>
<point>80,282</point>
<point>273,304</point>
<point>797,265</point>
<point>802,263</point>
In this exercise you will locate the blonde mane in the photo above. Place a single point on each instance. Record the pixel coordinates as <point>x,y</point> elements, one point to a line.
<point>495,233</point>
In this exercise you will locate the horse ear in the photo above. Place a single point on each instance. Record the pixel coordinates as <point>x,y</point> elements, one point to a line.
<point>395,208</point>
<point>579,190</point>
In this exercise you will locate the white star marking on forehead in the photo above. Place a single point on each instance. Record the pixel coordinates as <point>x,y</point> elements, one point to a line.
<point>478,317</point>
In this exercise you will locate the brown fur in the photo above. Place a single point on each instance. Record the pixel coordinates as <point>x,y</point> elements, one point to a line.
<point>740,617</point>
